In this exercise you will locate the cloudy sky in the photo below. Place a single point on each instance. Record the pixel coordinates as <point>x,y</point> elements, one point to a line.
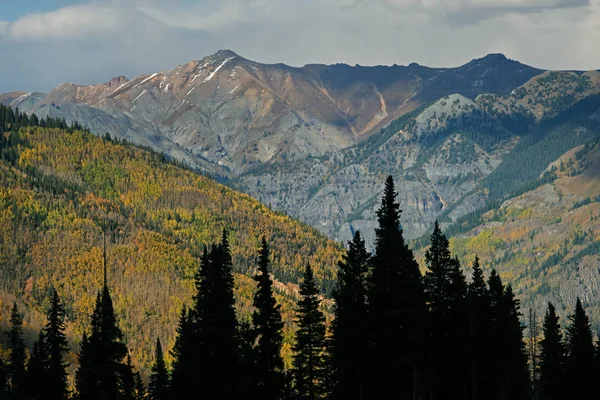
<point>46,42</point>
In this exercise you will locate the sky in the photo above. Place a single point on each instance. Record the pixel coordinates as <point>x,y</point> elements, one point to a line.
<point>44,43</point>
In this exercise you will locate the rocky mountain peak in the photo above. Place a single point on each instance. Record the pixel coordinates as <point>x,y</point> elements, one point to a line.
<point>117,81</point>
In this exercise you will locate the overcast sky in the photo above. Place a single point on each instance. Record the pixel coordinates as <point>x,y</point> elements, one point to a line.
<point>46,42</point>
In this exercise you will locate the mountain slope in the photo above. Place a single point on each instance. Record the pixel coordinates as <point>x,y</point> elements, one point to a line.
<point>64,187</point>
<point>546,241</point>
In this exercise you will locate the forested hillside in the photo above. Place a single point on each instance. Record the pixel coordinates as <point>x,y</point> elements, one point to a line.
<point>63,187</point>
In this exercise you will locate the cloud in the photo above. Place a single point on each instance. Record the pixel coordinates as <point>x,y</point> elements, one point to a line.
<point>76,22</point>
<point>92,42</point>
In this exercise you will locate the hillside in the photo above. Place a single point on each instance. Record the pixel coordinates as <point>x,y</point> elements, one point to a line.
<point>59,188</point>
<point>546,241</point>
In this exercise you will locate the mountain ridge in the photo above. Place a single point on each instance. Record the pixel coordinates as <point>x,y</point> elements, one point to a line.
<point>308,111</point>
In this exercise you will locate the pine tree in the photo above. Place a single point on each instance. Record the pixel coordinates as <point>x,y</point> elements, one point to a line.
<point>268,327</point>
<point>349,347</point>
<point>308,361</point>
<point>478,303</point>
<point>37,374</point>
<point>580,356</point>
<point>159,379</point>
<point>397,311</point>
<point>56,346</point>
<point>182,382</point>
<point>217,374</point>
<point>552,358</point>
<point>102,354</point>
<point>445,291</point>
<point>17,358</point>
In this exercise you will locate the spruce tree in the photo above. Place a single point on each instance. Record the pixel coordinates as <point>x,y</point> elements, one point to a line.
<point>159,379</point>
<point>56,347</point>
<point>139,392</point>
<point>397,311</point>
<point>268,327</point>
<point>127,381</point>
<point>309,350</point>
<point>349,347</point>
<point>552,358</point>
<point>217,373</point>
<point>478,303</point>
<point>445,291</point>
<point>508,353</point>
<point>183,353</point>
<point>102,353</point>
<point>37,374</point>
<point>580,356</point>
<point>17,358</point>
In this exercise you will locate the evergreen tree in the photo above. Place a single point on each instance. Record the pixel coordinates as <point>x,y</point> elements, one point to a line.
<point>140,392</point>
<point>309,361</point>
<point>552,358</point>
<point>478,302</point>
<point>56,346</point>
<point>397,311</point>
<point>182,382</point>
<point>36,369</point>
<point>268,327</point>
<point>580,356</point>
<point>159,379</point>
<point>102,353</point>
<point>17,358</point>
<point>445,291</point>
<point>508,358</point>
<point>217,374</point>
<point>127,381</point>
<point>349,347</point>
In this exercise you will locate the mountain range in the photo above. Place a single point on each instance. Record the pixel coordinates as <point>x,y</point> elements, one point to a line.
<point>504,155</point>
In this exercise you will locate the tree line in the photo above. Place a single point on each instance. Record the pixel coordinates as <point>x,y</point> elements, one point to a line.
<point>396,334</point>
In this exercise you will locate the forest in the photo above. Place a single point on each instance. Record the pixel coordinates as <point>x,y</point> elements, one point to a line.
<point>391,331</point>
<point>396,334</point>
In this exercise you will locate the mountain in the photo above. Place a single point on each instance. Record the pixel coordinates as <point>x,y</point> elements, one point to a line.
<point>316,143</point>
<point>60,189</point>
<point>227,114</point>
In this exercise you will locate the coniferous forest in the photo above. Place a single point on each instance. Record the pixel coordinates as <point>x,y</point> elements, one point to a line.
<point>397,333</point>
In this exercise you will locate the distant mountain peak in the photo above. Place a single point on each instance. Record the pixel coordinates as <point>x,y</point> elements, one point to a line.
<point>225,53</point>
<point>117,81</point>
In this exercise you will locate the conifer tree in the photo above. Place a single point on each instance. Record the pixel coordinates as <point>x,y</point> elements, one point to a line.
<point>580,356</point>
<point>56,346</point>
<point>17,358</point>
<point>36,369</point>
<point>182,382</point>
<point>552,358</point>
<point>268,327</point>
<point>397,310</point>
<point>508,355</point>
<point>140,392</point>
<point>445,291</point>
<point>127,381</point>
<point>102,354</point>
<point>159,379</point>
<point>217,375</point>
<point>478,303</point>
<point>309,350</point>
<point>349,347</point>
